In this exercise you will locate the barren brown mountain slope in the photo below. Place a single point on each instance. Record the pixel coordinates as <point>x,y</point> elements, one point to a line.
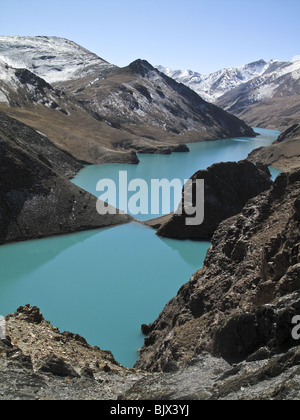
<point>33,101</point>
<point>141,100</point>
<point>284,153</point>
<point>99,112</point>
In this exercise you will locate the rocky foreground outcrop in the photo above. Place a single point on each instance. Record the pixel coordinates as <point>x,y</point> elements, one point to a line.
<point>37,362</point>
<point>36,201</point>
<point>283,154</point>
<point>228,187</point>
<point>242,302</point>
<point>209,378</point>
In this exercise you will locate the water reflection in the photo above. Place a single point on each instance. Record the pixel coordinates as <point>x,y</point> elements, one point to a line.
<point>24,258</point>
<point>102,284</point>
<point>184,249</point>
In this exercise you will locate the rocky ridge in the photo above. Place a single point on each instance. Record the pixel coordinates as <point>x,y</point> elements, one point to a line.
<point>211,379</point>
<point>242,302</point>
<point>37,362</point>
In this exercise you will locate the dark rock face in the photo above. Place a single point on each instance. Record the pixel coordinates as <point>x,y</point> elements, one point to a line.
<point>242,301</point>
<point>36,202</point>
<point>31,314</point>
<point>268,327</point>
<point>181,148</point>
<point>284,153</point>
<point>39,145</point>
<point>290,133</point>
<point>228,187</point>
<point>27,77</point>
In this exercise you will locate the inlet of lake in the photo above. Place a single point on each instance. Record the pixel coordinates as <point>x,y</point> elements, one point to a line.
<point>104,284</point>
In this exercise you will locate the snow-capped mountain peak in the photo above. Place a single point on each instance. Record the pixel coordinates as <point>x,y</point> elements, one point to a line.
<point>51,58</point>
<point>263,93</point>
<point>213,86</point>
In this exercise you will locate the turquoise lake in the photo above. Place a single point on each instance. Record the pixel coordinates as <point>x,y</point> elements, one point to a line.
<point>104,284</point>
<point>176,166</point>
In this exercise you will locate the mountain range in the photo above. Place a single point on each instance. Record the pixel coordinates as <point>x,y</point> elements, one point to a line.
<point>228,332</point>
<point>70,94</point>
<point>263,93</point>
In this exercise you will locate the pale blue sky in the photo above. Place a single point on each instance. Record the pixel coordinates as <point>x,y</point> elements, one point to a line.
<point>202,35</point>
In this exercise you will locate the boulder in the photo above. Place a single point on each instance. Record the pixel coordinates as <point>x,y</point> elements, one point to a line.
<point>57,366</point>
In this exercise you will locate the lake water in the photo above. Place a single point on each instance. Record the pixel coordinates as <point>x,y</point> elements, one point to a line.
<point>176,166</point>
<point>104,284</point>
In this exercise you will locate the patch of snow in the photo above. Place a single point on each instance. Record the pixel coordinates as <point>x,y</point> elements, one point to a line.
<point>296,74</point>
<point>292,68</point>
<point>265,92</point>
<point>42,134</point>
<point>54,59</point>
<point>212,86</point>
<point>10,83</point>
